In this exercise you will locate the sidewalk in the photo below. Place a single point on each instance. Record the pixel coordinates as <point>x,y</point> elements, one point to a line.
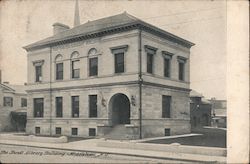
<point>90,145</point>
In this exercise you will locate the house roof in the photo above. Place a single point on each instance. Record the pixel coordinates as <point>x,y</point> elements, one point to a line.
<point>101,26</point>
<point>194,93</point>
<point>21,89</point>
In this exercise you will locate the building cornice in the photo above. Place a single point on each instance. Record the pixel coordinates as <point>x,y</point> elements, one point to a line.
<point>112,30</point>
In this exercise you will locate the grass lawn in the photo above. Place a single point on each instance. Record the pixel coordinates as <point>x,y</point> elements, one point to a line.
<point>210,138</point>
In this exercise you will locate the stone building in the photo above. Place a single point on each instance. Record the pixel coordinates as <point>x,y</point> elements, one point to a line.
<point>111,75</point>
<point>13,105</point>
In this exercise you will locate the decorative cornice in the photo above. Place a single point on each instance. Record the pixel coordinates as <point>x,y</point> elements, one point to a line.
<point>38,62</point>
<point>113,30</point>
<point>167,54</point>
<point>119,49</point>
<point>181,59</point>
<point>150,49</point>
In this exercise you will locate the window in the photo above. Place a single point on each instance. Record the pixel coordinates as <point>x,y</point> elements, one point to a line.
<point>92,132</point>
<point>119,62</point>
<point>181,71</point>
<point>59,71</point>
<point>8,101</point>
<point>38,107</point>
<point>38,73</point>
<point>150,51</point>
<point>166,67</point>
<point>58,130</point>
<point>23,102</point>
<point>181,66</point>
<point>166,106</point>
<point>167,132</point>
<point>76,69</point>
<point>59,106</point>
<point>119,52</point>
<point>93,66</point>
<point>75,106</point>
<point>38,70</point>
<point>149,63</point>
<point>37,130</point>
<point>74,131</point>
<point>92,105</point>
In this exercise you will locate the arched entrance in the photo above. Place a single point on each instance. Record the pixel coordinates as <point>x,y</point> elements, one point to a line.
<point>119,106</point>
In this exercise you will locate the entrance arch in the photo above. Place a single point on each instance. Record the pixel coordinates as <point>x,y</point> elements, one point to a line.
<point>119,106</point>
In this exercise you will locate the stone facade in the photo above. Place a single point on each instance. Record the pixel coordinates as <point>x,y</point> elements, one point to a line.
<point>107,84</point>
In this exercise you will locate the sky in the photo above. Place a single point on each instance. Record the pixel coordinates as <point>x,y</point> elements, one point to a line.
<point>202,22</point>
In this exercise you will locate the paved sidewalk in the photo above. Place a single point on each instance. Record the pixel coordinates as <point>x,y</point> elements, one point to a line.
<point>90,145</point>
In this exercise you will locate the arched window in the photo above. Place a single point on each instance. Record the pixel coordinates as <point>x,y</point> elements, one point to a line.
<point>93,62</point>
<point>92,52</point>
<point>75,64</point>
<point>58,57</point>
<point>59,67</point>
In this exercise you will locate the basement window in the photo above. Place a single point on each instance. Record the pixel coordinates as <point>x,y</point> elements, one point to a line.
<point>167,132</point>
<point>37,130</point>
<point>74,131</point>
<point>58,130</point>
<point>92,132</point>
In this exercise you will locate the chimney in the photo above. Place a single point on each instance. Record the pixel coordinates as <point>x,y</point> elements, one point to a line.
<point>77,15</point>
<point>59,27</point>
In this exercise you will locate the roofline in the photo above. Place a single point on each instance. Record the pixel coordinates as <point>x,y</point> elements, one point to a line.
<point>7,87</point>
<point>135,25</point>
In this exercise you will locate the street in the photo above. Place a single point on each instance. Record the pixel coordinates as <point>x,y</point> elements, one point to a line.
<point>24,154</point>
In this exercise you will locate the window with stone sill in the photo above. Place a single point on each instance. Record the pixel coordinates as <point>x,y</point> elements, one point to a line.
<point>59,106</point>
<point>75,106</point>
<point>59,67</point>
<point>92,105</point>
<point>150,52</point>
<point>119,58</point>
<point>93,66</point>
<point>75,65</point>
<point>119,63</point>
<point>167,57</point>
<point>38,70</point>
<point>38,107</point>
<point>23,102</point>
<point>59,71</point>
<point>166,106</point>
<point>8,101</point>
<point>181,68</point>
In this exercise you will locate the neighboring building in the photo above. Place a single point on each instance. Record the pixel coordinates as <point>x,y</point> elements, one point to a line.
<point>219,113</point>
<point>13,106</point>
<point>200,110</point>
<point>119,70</point>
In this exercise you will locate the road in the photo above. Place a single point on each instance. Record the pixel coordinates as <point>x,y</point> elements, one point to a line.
<point>24,154</point>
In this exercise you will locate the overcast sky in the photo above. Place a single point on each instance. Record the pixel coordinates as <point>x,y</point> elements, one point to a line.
<point>201,22</point>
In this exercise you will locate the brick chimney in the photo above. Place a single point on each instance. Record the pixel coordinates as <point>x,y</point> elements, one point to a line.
<point>59,27</point>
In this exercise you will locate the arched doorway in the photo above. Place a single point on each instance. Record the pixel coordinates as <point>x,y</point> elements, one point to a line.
<point>119,106</point>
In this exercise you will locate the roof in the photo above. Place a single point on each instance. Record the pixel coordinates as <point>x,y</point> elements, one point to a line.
<point>21,89</point>
<point>194,93</point>
<point>101,25</point>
